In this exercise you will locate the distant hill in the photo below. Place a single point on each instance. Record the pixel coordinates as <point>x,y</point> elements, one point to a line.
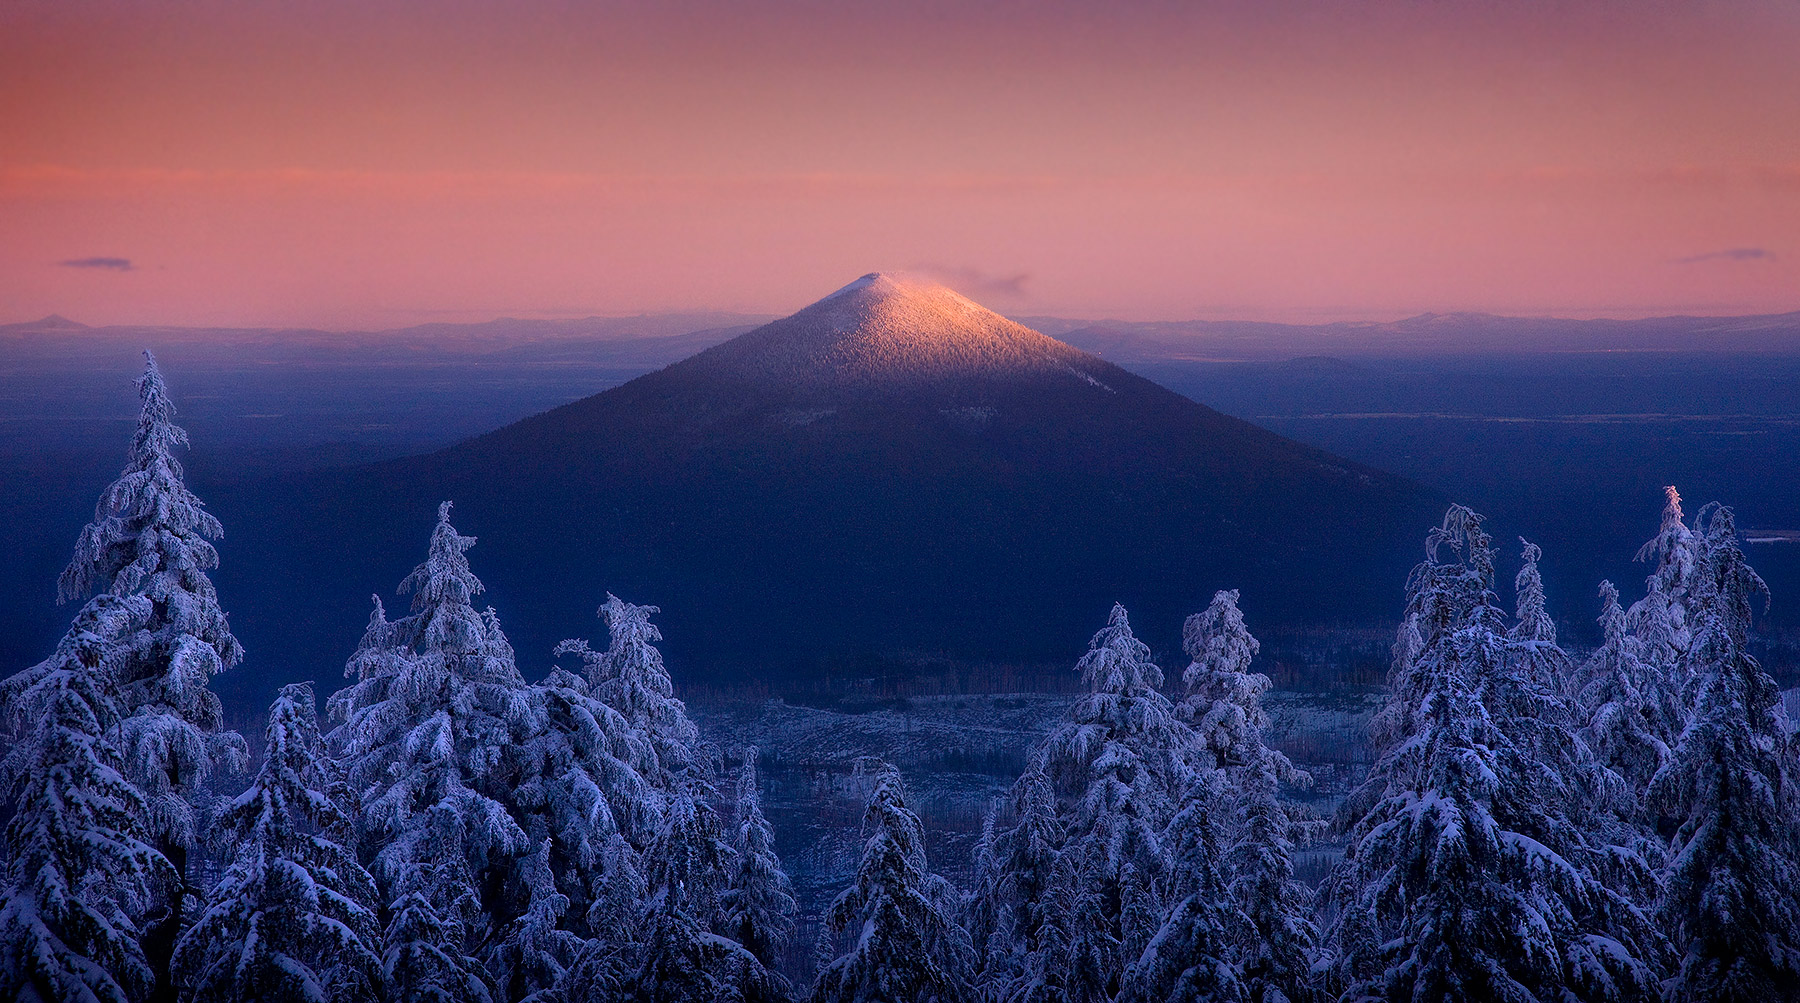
<point>1425,336</point>
<point>892,474</point>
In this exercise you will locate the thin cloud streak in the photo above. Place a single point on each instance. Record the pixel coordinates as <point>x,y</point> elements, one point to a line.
<point>1730,254</point>
<point>109,264</point>
<point>977,283</point>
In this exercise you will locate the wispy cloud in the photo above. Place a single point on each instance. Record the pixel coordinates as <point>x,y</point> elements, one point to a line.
<point>1730,254</point>
<point>975,282</point>
<point>111,264</point>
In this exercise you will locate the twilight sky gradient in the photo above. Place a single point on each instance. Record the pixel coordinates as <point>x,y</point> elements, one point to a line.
<point>378,163</point>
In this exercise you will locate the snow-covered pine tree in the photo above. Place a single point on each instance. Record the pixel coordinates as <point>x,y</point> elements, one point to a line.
<point>1732,899</point>
<point>630,677</point>
<point>1119,767</point>
<point>902,941</point>
<point>430,734</point>
<point>758,902</point>
<point>1023,940</point>
<point>1191,957</point>
<point>79,869</point>
<point>1465,876</point>
<point>1620,721</point>
<point>1273,949</point>
<point>1661,622</point>
<point>1223,701</point>
<point>682,960</point>
<point>292,920</point>
<point>151,537</point>
<point>1531,619</point>
<point>536,954</point>
<point>581,789</point>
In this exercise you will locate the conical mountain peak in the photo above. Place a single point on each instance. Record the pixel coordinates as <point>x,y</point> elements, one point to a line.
<point>887,327</point>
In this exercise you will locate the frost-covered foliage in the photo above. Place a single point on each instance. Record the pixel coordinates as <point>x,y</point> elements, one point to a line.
<point>430,732</point>
<point>151,537</point>
<point>901,941</point>
<point>1621,719</point>
<point>1119,768</point>
<point>1471,872</point>
<point>1531,615</point>
<point>79,868</point>
<point>1273,946</point>
<point>758,904</point>
<point>683,960</point>
<point>1020,908</point>
<point>1190,958</point>
<point>583,796</point>
<point>1732,785</point>
<point>1223,699</point>
<point>629,676</point>
<point>292,920</point>
<point>1088,819</point>
<point>536,954</point>
<point>1661,622</point>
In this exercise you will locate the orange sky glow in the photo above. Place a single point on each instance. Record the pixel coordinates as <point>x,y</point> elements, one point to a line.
<point>377,164</point>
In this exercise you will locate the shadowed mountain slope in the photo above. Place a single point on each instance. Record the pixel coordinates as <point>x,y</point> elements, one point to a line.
<point>893,472</point>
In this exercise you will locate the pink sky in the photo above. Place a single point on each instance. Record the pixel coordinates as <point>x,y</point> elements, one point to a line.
<point>376,164</point>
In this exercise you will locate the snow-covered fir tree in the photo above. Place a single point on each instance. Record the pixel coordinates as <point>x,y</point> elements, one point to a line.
<point>151,537</point>
<point>758,904</point>
<point>536,953</point>
<point>79,867</point>
<point>630,677</point>
<point>1223,700</point>
<point>1468,874</point>
<point>1018,912</point>
<point>1531,617</point>
<point>1191,957</point>
<point>1272,949</point>
<point>683,960</point>
<point>293,918</point>
<point>1119,769</point>
<point>430,732</point>
<point>895,922</point>
<point>1621,722</point>
<point>1732,785</point>
<point>582,788</point>
<point>1661,622</point>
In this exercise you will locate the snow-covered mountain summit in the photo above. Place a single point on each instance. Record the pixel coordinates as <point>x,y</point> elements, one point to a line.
<point>891,328</point>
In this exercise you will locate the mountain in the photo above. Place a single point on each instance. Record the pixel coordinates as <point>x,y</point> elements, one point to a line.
<point>894,474</point>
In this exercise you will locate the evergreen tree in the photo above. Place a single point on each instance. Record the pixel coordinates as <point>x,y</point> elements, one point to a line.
<point>1532,615</point>
<point>1023,938</point>
<point>1190,959</point>
<point>1223,699</point>
<point>1271,947</point>
<point>1661,622</point>
<point>683,961</point>
<point>79,869</point>
<point>151,537</point>
<point>1466,875</point>
<point>759,901</point>
<point>536,954</point>
<point>1621,721</point>
<point>1732,897</point>
<point>630,677</point>
<point>1118,767</point>
<point>581,789</point>
<point>903,944</point>
<point>292,920</point>
<point>430,732</point>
